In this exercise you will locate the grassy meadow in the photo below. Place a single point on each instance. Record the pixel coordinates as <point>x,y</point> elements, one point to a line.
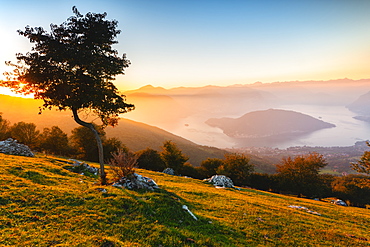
<point>43,204</point>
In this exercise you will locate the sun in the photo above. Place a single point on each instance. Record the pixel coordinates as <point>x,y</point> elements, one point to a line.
<point>7,91</point>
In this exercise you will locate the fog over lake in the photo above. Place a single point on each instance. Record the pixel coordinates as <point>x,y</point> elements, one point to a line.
<point>183,111</point>
<point>347,131</point>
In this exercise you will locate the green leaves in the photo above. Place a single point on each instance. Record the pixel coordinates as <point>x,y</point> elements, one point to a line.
<point>73,66</point>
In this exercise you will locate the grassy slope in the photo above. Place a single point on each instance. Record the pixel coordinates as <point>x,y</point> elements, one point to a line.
<point>42,204</point>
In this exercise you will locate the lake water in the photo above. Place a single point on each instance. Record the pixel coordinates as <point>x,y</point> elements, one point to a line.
<point>346,133</point>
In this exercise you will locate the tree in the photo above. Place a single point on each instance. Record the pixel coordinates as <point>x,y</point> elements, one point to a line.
<point>72,68</point>
<point>237,167</point>
<point>363,165</point>
<point>4,128</point>
<point>208,167</point>
<point>173,156</point>
<point>25,133</point>
<point>82,141</point>
<point>301,174</point>
<point>150,159</point>
<point>54,141</point>
<point>354,189</point>
<point>113,145</point>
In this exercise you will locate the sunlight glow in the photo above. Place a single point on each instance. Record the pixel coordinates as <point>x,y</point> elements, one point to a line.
<point>7,91</point>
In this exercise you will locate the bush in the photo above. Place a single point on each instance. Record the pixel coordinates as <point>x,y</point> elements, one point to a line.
<point>122,164</point>
<point>173,156</point>
<point>354,189</point>
<point>237,167</point>
<point>150,159</point>
<point>209,167</point>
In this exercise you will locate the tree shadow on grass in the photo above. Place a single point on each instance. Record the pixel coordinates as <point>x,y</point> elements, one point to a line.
<point>163,210</point>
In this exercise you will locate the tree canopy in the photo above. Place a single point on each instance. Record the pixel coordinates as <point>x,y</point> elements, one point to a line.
<point>236,166</point>
<point>72,68</point>
<point>301,173</point>
<point>363,165</point>
<point>173,156</point>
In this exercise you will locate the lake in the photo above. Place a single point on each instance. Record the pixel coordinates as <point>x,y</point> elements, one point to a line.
<point>346,133</point>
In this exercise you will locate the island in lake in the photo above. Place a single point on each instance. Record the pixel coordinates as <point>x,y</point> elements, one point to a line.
<point>269,123</point>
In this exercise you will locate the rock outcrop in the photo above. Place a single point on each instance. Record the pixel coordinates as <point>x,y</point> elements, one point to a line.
<point>10,146</point>
<point>136,181</point>
<point>169,171</point>
<point>220,181</point>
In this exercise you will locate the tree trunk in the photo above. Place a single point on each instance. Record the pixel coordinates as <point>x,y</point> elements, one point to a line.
<point>103,176</point>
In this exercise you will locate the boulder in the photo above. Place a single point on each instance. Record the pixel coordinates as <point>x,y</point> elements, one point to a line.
<point>221,181</point>
<point>340,202</point>
<point>136,181</point>
<point>169,171</point>
<point>81,167</point>
<point>10,146</point>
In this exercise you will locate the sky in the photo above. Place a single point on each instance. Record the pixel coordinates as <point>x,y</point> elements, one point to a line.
<point>199,42</point>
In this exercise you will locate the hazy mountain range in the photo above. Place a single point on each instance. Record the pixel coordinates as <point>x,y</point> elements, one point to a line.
<point>362,107</point>
<point>185,110</point>
<point>180,114</point>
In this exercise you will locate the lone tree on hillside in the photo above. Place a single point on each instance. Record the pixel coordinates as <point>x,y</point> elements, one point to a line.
<point>72,68</point>
<point>363,165</point>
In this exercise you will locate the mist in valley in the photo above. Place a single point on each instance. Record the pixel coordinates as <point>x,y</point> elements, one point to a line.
<point>184,111</point>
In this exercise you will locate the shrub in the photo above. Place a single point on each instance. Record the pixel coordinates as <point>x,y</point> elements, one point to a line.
<point>173,156</point>
<point>237,167</point>
<point>122,164</point>
<point>150,159</point>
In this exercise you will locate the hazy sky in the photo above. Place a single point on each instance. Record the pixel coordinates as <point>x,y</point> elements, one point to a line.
<point>198,42</point>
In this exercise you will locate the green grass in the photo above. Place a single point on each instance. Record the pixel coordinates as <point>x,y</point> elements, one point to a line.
<point>43,204</point>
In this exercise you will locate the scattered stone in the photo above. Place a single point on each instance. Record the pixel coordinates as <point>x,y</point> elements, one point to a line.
<point>220,181</point>
<point>136,181</point>
<point>187,209</point>
<point>169,171</point>
<point>102,190</point>
<point>339,202</point>
<point>304,208</point>
<point>10,146</point>
<point>81,168</point>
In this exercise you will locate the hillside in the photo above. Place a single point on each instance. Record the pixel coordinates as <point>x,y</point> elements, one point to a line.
<point>43,204</point>
<point>269,123</point>
<point>138,136</point>
<point>135,135</point>
<point>361,105</point>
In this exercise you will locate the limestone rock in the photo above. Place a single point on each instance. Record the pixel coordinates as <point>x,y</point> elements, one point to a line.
<point>137,181</point>
<point>10,146</point>
<point>340,202</point>
<point>81,167</point>
<point>169,171</point>
<point>220,180</point>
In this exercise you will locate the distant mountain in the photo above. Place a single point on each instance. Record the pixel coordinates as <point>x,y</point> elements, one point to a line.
<point>268,123</point>
<point>361,105</point>
<point>149,89</point>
